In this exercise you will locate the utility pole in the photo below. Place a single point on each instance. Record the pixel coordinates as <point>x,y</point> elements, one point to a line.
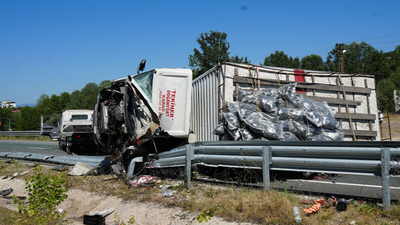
<point>341,62</point>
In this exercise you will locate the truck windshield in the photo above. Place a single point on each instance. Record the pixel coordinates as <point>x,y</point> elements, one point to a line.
<point>145,81</point>
<point>79,117</point>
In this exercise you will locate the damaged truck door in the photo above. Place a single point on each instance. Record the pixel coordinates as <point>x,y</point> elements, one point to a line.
<point>143,114</point>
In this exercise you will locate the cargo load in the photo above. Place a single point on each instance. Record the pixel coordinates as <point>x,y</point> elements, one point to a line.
<point>350,98</point>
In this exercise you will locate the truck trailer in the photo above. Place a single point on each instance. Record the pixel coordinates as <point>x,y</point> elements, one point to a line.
<point>351,97</point>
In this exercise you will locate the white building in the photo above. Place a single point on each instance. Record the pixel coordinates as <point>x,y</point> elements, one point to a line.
<point>7,103</point>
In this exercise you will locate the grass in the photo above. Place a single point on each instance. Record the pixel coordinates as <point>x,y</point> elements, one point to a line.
<point>8,217</point>
<point>26,138</point>
<point>240,204</point>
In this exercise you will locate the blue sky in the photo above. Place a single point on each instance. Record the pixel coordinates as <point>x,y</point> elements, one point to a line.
<point>52,46</point>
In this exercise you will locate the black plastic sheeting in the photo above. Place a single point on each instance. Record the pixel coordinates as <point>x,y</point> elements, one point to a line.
<point>278,114</point>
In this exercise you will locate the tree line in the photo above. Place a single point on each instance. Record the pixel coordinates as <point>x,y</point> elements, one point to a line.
<point>360,58</point>
<point>28,118</point>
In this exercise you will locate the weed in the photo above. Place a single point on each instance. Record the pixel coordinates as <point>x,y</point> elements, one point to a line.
<point>118,221</point>
<point>206,215</point>
<point>45,193</point>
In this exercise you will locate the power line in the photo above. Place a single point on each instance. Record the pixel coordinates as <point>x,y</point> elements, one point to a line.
<point>387,42</point>
<point>376,38</point>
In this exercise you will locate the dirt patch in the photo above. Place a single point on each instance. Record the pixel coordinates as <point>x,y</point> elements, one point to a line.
<point>80,202</point>
<point>394,127</point>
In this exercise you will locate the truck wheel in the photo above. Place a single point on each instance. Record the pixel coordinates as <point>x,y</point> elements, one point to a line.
<point>68,149</point>
<point>61,146</point>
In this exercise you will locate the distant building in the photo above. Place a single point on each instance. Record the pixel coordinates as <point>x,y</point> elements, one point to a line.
<point>7,103</point>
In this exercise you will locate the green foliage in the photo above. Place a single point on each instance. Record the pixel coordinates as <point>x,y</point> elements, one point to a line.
<point>236,58</point>
<point>5,115</point>
<point>45,193</point>
<point>357,58</point>
<point>386,88</point>
<point>206,215</point>
<point>312,62</point>
<point>86,97</point>
<point>213,50</point>
<point>118,221</point>
<point>280,59</point>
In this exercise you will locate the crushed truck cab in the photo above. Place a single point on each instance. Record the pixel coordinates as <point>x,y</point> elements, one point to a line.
<point>147,112</point>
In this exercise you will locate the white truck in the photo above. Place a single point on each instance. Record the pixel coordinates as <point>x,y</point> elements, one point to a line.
<point>148,112</point>
<point>74,132</point>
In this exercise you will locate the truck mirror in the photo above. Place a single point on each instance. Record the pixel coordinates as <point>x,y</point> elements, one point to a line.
<point>141,66</point>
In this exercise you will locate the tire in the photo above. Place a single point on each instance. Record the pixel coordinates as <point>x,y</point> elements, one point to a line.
<point>68,149</point>
<point>61,146</point>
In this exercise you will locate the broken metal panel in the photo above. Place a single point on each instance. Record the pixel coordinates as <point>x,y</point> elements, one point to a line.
<point>66,160</point>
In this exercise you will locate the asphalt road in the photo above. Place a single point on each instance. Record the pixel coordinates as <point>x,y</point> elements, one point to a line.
<point>40,147</point>
<point>348,186</point>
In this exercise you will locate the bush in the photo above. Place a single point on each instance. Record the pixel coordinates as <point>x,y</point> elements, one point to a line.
<point>45,193</point>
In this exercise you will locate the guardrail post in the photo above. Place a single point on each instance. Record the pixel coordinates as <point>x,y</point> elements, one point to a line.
<point>188,164</point>
<point>385,162</point>
<point>266,160</point>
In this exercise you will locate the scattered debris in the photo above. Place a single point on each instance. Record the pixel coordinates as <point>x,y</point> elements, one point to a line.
<point>145,179</point>
<point>315,208</point>
<point>60,168</point>
<point>80,169</point>
<point>341,204</point>
<point>96,217</point>
<point>23,173</point>
<point>6,192</point>
<point>48,157</point>
<point>32,164</point>
<point>166,192</point>
<point>110,178</point>
<point>9,161</point>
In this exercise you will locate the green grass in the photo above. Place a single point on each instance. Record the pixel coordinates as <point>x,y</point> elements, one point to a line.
<point>8,217</point>
<point>26,138</point>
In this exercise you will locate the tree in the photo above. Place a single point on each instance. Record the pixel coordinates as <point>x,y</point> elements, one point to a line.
<point>357,58</point>
<point>312,62</point>
<point>280,59</point>
<point>240,59</point>
<point>213,50</point>
<point>391,83</point>
<point>5,115</point>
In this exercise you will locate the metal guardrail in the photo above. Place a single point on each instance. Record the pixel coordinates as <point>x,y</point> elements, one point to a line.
<point>20,133</point>
<point>360,158</point>
<point>65,159</point>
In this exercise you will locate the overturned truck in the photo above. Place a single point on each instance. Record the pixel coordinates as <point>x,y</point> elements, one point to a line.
<point>155,111</point>
<point>143,114</point>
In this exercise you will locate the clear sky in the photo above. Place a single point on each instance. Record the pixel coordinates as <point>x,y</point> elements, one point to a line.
<point>52,46</point>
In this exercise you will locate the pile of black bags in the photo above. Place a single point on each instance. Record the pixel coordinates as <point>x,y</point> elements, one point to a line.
<point>277,114</point>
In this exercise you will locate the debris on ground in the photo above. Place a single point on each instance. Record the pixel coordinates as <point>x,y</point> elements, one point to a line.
<point>165,192</point>
<point>96,217</point>
<point>341,204</point>
<point>320,203</point>
<point>6,192</point>
<point>80,169</point>
<point>60,168</point>
<point>145,181</point>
